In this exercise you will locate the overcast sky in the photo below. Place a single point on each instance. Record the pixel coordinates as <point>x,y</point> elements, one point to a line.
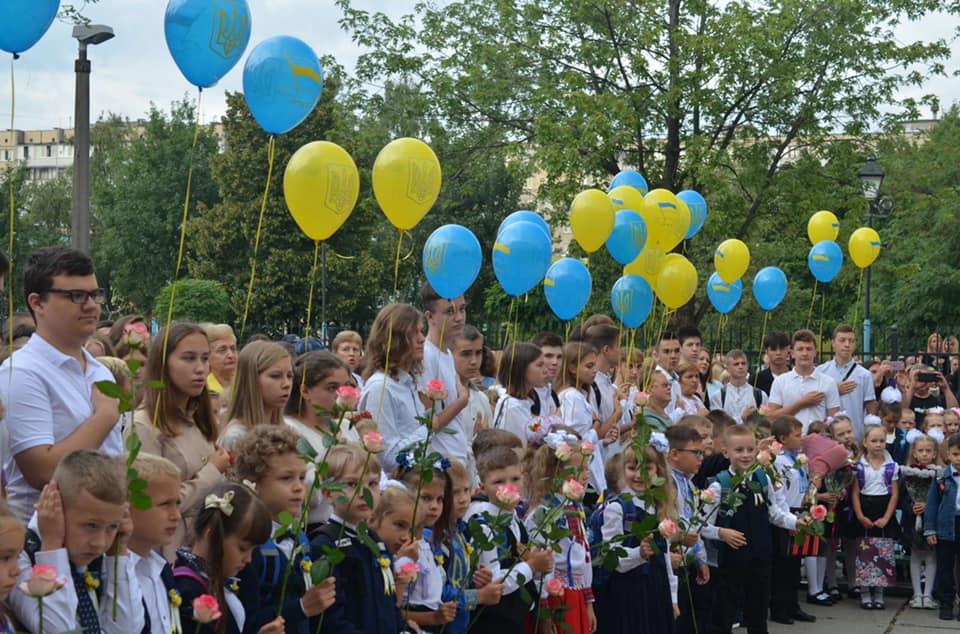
<point>135,68</point>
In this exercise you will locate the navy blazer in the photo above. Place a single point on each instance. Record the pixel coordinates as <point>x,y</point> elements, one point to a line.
<point>940,516</point>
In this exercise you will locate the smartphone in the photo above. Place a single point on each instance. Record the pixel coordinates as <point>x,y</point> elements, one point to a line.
<point>896,366</point>
<point>928,377</point>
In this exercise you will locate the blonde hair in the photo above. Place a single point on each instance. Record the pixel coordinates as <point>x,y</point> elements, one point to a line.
<point>667,505</point>
<point>346,336</point>
<point>345,457</point>
<point>937,458</point>
<point>93,472</point>
<point>246,404</point>
<point>685,366</point>
<point>458,472</point>
<point>392,499</point>
<point>151,467</point>
<point>257,447</point>
<point>216,332</point>
<point>543,465</point>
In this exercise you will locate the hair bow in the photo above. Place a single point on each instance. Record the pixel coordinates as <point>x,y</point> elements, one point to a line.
<point>935,434</point>
<point>223,504</point>
<point>406,460</point>
<point>891,395</point>
<point>556,438</point>
<point>442,464</point>
<point>392,484</point>
<point>659,442</point>
<point>250,485</point>
<point>936,410</point>
<point>841,414</point>
<point>870,420</point>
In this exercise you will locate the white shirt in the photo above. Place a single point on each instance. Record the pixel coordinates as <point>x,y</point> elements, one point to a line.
<point>439,364</point>
<point>791,495</point>
<point>547,406</point>
<point>674,388</point>
<point>395,409</point>
<point>513,414</point>
<point>852,403</point>
<point>738,398</point>
<point>608,395</point>
<point>148,570</point>
<point>477,410</point>
<point>572,561</point>
<point>427,589</point>
<point>685,406</point>
<point>874,481</point>
<point>578,413</point>
<point>511,582</point>
<point>789,387</point>
<point>47,395</point>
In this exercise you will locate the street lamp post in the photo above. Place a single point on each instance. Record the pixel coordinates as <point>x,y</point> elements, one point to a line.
<point>80,217</point>
<point>871,179</point>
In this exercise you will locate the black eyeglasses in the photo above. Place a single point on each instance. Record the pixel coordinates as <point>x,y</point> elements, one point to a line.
<point>699,453</point>
<point>77,296</point>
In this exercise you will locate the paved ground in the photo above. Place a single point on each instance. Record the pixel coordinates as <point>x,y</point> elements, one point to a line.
<point>848,618</point>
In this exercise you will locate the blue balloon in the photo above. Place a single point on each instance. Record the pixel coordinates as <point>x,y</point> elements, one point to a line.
<point>825,260</point>
<point>567,286</point>
<point>628,237</point>
<point>723,296</point>
<point>630,178</point>
<point>529,216</point>
<point>206,39</point>
<point>451,260</point>
<point>632,300</point>
<point>769,287</point>
<point>698,210</point>
<point>23,22</point>
<point>282,82</point>
<point>521,257</point>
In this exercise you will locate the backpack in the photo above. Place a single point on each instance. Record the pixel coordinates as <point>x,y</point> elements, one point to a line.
<point>595,536</point>
<point>270,575</point>
<point>757,396</point>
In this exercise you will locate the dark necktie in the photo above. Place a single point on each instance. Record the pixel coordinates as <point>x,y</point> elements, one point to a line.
<point>86,613</point>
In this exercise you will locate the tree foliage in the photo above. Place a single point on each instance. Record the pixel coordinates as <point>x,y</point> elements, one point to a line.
<point>196,300</point>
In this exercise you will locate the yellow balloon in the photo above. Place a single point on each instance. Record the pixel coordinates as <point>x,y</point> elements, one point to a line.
<point>626,197</point>
<point>823,225</point>
<point>647,264</point>
<point>406,181</point>
<point>667,218</point>
<point>591,219</point>
<point>731,259</point>
<point>677,281</point>
<point>320,186</point>
<point>864,246</point>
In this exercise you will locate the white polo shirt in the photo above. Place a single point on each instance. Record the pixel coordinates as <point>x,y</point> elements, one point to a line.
<point>438,364</point>
<point>48,394</point>
<point>852,403</point>
<point>733,399</point>
<point>789,387</point>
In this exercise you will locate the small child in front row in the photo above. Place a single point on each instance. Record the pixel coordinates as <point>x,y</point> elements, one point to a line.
<point>874,499</point>
<point>81,516</point>
<point>916,478</point>
<point>12,532</point>
<point>361,573</point>
<point>501,481</point>
<point>231,525</point>
<point>572,564</point>
<point>841,430</point>
<point>744,564</point>
<point>640,594</point>
<point>267,457</point>
<point>423,603</point>
<point>941,526</point>
<point>153,529</point>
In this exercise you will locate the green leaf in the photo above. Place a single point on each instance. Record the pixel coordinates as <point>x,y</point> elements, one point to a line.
<point>368,497</point>
<point>304,448</point>
<point>140,501</point>
<point>109,388</point>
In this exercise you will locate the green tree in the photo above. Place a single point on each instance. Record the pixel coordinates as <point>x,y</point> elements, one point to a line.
<point>138,185</point>
<point>196,300</point>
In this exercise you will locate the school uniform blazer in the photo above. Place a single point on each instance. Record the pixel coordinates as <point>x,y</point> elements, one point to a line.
<point>940,516</point>
<point>260,586</point>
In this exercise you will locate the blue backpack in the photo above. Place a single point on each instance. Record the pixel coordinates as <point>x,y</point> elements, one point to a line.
<point>595,535</point>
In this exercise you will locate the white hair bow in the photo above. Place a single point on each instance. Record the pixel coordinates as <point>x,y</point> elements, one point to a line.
<point>556,438</point>
<point>935,434</point>
<point>659,442</point>
<point>890,395</point>
<point>870,420</point>
<point>223,504</point>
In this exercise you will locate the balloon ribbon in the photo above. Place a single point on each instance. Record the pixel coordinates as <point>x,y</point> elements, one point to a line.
<point>271,154</point>
<point>13,217</point>
<point>763,335</point>
<point>813,299</point>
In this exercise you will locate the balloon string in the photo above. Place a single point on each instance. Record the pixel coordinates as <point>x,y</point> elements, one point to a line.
<point>396,262</point>
<point>180,249</point>
<point>306,330</point>
<point>505,337</point>
<point>342,257</point>
<point>386,367</point>
<point>563,357</point>
<point>856,307</point>
<point>823,306</point>
<point>13,218</point>
<point>763,335</point>
<point>271,153</point>
<point>813,299</point>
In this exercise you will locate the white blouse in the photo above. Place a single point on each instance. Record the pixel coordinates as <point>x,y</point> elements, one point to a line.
<point>513,414</point>
<point>874,482</point>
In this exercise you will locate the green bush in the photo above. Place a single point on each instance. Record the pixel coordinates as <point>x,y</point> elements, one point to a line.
<point>196,300</point>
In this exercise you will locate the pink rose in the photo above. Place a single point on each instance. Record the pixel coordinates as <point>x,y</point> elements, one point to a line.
<point>668,529</point>
<point>764,457</point>
<point>818,512</point>
<point>373,441</point>
<point>776,447</point>
<point>436,390</point>
<point>709,495</point>
<point>802,459</point>
<point>563,452</point>
<point>508,495</point>
<point>555,587</point>
<point>587,448</point>
<point>641,399</point>
<point>765,409</point>
<point>42,582</point>
<point>206,609</point>
<point>408,572</point>
<point>573,490</point>
<point>348,396</point>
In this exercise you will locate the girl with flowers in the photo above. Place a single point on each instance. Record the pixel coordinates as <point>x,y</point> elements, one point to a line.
<point>556,484</point>
<point>923,468</point>
<point>640,593</point>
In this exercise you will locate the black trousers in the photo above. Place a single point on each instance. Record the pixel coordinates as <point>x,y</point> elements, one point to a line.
<point>784,576</point>
<point>745,586</point>
<point>695,601</point>
<point>947,554</point>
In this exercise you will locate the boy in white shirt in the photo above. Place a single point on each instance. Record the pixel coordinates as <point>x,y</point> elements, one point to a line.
<point>477,416</point>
